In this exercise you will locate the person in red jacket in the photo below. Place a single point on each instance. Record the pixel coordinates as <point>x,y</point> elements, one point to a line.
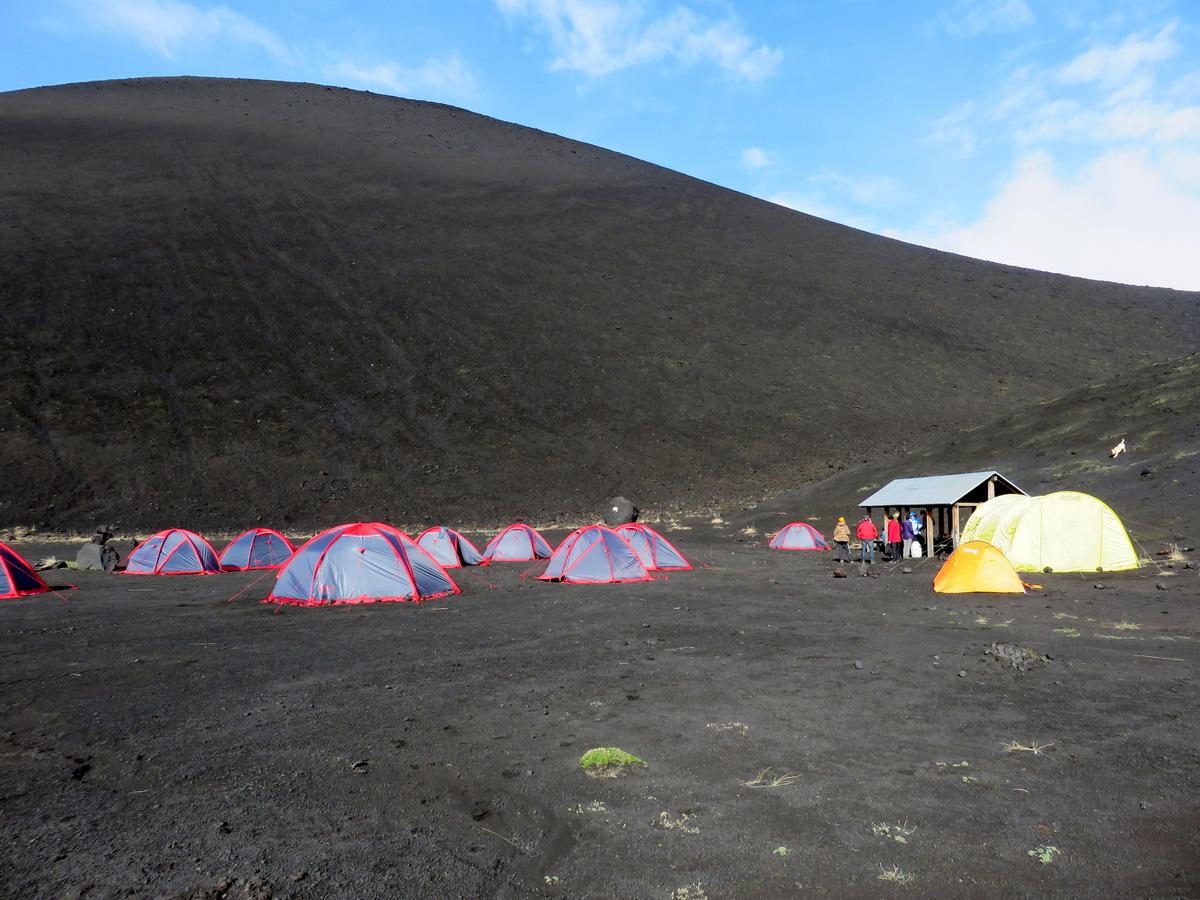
<point>866,534</point>
<point>895,536</point>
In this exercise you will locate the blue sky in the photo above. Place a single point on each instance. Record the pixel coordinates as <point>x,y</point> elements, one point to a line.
<point>1060,135</point>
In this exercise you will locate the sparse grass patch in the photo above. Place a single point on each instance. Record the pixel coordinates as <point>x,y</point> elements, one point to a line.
<point>1115,637</point>
<point>750,531</point>
<point>1045,854</point>
<point>716,520</point>
<point>895,875</point>
<point>900,833</point>
<point>1123,625</point>
<point>782,851</point>
<point>596,806</point>
<point>970,779</point>
<point>608,762</point>
<point>981,620</point>
<point>766,779</point>
<point>1064,616</point>
<point>1068,632</point>
<point>722,727</point>
<point>1035,748</point>
<point>690,892</point>
<point>681,823</point>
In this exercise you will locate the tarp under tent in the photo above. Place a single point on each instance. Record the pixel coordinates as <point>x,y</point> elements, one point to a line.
<point>655,551</point>
<point>1064,532</point>
<point>517,543</point>
<point>977,567</point>
<point>594,555</point>
<point>449,548</point>
<point>258,548</point>
<point>17,577</point>
<point>361,562</point>
<point>175,551</point>
<point>798,536</point>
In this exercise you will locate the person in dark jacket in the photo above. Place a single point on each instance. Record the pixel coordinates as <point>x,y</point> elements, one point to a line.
<point>906,534</point>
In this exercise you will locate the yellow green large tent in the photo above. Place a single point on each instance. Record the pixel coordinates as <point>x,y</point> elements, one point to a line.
<point>1065,531</point>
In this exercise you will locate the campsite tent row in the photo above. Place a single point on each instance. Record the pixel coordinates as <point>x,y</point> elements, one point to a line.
<point>363,562</point>
<point>177,551</point>
<point>374,562</point>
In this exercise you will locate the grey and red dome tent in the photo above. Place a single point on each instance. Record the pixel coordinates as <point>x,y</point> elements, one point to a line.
<point>799,536</point>
<point>517,543</point>
<point>258,548</point>
<point>361,562</point>
<point>175,551</point>
<point>655,551</point>
<point>449,548</point>
<point>594,555</point>
<point>17,577</point>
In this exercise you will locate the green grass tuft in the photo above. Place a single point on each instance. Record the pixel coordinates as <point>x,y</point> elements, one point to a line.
<point>1044,854</point>
<point>608,757</point>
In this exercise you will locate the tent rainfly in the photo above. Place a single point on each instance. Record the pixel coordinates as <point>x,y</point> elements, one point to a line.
<point>360,562</point>
<point>258,548</point>
<point>977,567</point>
<point>940,499</point>
<point>517,543</point>
<point>655,551</point>
<point>449,548</point>
<point>798,536</point>
<point>1062,532</point>
<point>17,577</point>
<point>175,551</point>
<point>595,555</point>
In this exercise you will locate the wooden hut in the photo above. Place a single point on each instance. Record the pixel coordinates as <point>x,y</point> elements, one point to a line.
<point>944,501</point>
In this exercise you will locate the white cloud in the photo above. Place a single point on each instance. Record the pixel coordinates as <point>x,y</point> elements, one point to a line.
<point>1130,215</point>
<point>600,37</point>
<point>865,190</point>
<point>1188,86</point>
<point>756,158</point>
<point>1106,94</point>
<point>168,27</point>
<point>1106,178</point>
<point>734,51</point>
<point>956,130</point>
<point>449,78</point>
<point>969,18</point>
<point>1113,64</point>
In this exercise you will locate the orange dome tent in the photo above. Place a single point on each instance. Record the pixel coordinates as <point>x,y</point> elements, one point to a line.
<point>977,567</point>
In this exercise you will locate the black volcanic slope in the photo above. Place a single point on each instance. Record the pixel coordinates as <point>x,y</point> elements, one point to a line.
<point>221,300</point>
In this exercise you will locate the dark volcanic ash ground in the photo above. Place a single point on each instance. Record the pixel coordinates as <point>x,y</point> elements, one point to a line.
<point>161,739</point>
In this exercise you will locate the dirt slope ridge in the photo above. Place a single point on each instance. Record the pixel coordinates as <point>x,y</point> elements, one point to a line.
<point>225,299</point>
<point>1061,444</point>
